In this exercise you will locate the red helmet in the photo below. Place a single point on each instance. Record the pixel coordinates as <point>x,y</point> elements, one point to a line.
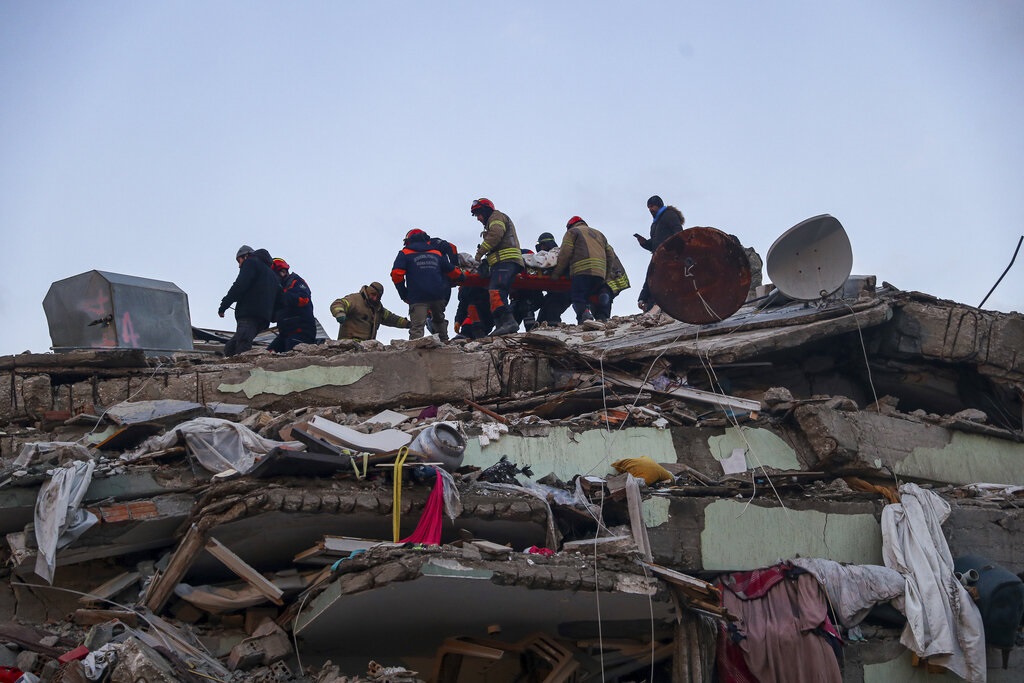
<point>279,264</point>
<point>573,221</point>
<point>412,233</point>
<point>481,204</point>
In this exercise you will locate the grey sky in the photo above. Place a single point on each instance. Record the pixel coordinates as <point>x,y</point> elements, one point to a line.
<point>152,139</point>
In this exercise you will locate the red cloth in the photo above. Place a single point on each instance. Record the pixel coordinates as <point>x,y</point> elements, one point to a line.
<point>428,531</point>
<point>754,584</point>
<point>9,674</point>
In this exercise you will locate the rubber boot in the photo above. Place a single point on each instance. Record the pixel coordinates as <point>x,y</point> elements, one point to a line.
<point>583,313</point>
<point>505,323</point>
<point>603,310</point>
<point>529,321</point>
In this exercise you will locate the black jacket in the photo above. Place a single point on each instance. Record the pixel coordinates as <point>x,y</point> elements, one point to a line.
<point>254,291</point>
<point>667,224</point>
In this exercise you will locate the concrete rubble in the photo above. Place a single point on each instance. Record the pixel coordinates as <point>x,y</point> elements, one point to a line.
<point>268,517</point>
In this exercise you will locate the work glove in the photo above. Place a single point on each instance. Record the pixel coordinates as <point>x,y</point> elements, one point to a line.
<point>341,318</point>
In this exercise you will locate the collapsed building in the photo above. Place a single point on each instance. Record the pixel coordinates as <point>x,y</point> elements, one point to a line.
<point>797,492</point>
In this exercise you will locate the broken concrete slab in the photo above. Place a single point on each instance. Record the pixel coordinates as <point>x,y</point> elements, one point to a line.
<point>163,412</point>
<point>866,442</point>
<point>416,587</point>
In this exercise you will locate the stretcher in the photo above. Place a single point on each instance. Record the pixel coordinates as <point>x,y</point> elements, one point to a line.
<point>527,282</point>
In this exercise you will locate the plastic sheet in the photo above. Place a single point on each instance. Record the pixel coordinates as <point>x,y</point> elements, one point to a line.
<point>59,519</point>
<point>43,451</point>
<point>218,445</point>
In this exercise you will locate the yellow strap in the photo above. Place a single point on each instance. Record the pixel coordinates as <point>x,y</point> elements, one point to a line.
<point>396,500</point>
<point>355,466</point>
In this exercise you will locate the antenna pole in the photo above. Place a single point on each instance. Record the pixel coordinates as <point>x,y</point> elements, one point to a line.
<point>1015,252</point>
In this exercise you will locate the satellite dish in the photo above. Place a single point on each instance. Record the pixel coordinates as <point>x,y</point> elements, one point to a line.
<point>699,275</point>
<point>811,260</point>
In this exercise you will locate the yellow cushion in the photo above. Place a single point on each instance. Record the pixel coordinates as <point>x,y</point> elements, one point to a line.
<point>643,468</point>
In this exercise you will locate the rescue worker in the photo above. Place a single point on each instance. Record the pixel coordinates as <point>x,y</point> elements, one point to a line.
<point>500,246</point>
<point>525,303</point>
<point>295,321</point>
<point>473,314</point>
<point>554,304</point>
<point>254,293</point>
<point>361,314</point>
<point>583,254</point>
<point>424,278</point>
<point>450,252</point>
<point>668,220</point>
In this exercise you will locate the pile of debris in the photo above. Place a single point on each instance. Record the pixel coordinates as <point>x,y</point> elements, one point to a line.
<point>579,503</point>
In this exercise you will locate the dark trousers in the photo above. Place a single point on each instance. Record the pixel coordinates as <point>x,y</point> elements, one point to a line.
<point>287,339</point>
<point>246,330</point>
<point>582,287</point>
<point>553,306</point>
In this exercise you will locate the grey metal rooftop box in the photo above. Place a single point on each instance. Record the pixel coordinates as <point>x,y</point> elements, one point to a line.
<point>98,310</point>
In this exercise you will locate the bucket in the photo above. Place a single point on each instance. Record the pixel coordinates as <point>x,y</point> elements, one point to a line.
<point>441,443</point>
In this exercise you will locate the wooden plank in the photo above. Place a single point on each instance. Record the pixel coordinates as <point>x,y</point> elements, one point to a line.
<point>689,393</point>
<point>109,589</point>
<point>244,571</point>
<point>163,583</point>
<point>489,413</point>
<point>680,579</point>
<point>30,638</point>
<point>90,617</point>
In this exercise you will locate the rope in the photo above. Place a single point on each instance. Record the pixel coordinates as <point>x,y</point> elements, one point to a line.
<point>396,500</point>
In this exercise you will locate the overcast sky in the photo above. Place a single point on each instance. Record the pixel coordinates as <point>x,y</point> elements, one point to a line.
<point>154,138</point>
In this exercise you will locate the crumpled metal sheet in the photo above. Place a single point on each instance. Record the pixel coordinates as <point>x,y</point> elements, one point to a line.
<point>700,275</point>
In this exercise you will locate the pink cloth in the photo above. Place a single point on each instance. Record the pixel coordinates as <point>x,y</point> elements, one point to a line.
<point>783,620</point>
<point>428,531</point>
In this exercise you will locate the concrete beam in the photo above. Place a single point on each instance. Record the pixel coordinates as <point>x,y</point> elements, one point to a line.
<point>866,442</point>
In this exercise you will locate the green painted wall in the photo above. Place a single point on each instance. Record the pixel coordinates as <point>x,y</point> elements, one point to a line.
<point>967,459</point>
<point>655,511</point>
<point>286,382</point>
<point>740,536</point>
<point>764,448</point>
<point>568,454</point>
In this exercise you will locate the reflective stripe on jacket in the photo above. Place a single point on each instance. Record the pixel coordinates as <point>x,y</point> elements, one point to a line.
<point>617,278</point>
<point>500,242</point>
<point>582,252</point>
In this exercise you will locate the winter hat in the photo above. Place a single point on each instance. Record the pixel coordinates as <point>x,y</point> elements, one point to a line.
<point>655,200</point>
<point>378,286</point>
<point>244,250</point>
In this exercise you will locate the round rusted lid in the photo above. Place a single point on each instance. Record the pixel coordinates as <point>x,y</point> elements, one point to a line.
<point>699,275</point>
